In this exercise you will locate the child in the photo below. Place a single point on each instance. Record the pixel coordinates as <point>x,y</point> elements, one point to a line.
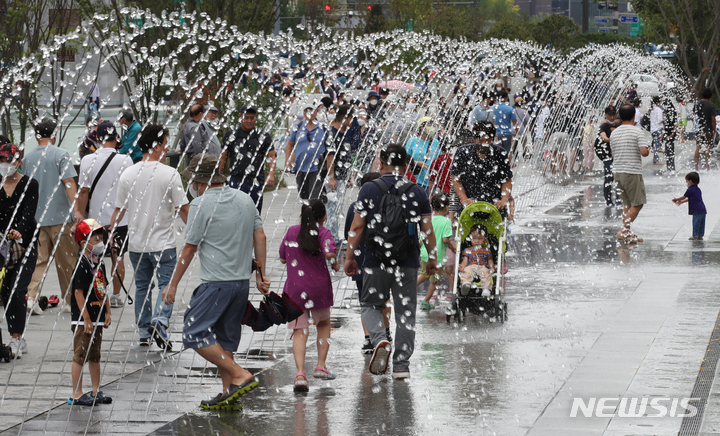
<point>442,227</point>
<point>477,261</point>
<point>90,312</point>
<point>696,206</point>
<point>440,179</point>
<point>304,249</point>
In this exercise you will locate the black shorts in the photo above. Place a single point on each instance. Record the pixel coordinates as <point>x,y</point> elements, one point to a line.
<point>119,242</point>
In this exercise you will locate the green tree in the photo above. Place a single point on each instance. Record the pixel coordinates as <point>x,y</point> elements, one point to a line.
<point>375,22</point>
<point>693,28</point>
<point>555,30</point>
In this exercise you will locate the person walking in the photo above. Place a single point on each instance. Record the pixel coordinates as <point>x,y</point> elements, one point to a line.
<point>604,153</point>
<point>392,253</point>
<point>305,249</point>
<point>245,151</point>
<point>505,120</point>
<point>706,124</point>
<point>18,205</point>
<point>129,138</point>
<point>52,168</point>
<point>628,145</point>
<point>98,180</point>
<point>223,228</point>
<point>656,128</point>
<point>670,121</point>
<point>151,194</point>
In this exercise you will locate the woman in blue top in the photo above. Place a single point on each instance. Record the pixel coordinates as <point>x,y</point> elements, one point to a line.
<point>423,149</point>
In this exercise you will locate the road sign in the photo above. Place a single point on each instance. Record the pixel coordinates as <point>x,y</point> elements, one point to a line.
<point>629,19</point>
<point>604,29</point>
<point>601,20</point>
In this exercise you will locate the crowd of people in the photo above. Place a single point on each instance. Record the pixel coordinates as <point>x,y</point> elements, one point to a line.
<point>417,159</point>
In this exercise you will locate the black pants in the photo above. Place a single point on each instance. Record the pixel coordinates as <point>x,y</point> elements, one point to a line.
<point>309,185</point>
<point>15,302</point>
<point>609,182</point>
<point>669,145</point>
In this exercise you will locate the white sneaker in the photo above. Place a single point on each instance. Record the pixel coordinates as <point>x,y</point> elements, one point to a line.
<point>486,293</point>
<point>23,346</point>
<point>116,301</point>
<point>15,347</point>
<point>30,304</point>
<point>67,308</point>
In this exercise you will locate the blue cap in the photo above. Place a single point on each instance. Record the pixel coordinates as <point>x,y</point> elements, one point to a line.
<point>372,94</point>
<point>106,131</point>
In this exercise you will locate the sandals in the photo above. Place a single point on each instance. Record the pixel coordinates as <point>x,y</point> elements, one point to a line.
<point>322,373</point>
<point>301,383</point>
<point>426,306</point>
<point>629,239</point>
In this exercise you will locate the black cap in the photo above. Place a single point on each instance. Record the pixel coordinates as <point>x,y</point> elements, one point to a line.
<point>610,110</point>
<point>326,101</point>
<point>248,108</point>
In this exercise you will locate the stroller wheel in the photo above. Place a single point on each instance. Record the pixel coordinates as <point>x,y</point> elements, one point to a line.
<point>447,318</point>
<point>43,303</point>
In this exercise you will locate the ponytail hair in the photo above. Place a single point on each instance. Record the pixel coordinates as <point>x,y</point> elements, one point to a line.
<point>309,237</point>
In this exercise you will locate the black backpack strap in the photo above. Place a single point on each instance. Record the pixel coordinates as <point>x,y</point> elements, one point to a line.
<point>384,188</point>
<point>405,188</point>
<point>97,178</point>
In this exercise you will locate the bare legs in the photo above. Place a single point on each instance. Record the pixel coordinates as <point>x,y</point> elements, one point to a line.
<point>77,376</point>
<point>629,215</point>
<point>230,372</point>
<point>300,345</point>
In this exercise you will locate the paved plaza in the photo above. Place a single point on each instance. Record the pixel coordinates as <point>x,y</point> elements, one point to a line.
<point>588,319</point>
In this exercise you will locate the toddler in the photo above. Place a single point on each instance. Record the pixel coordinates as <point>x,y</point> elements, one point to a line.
<point>477,262</point>
<point>696,206</point>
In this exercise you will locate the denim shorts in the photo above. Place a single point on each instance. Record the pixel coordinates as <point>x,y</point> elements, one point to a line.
<point>214,315</point>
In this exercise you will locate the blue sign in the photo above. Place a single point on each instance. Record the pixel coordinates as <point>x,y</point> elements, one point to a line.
<point>629,19</point>
<point>604,29</point>
<point>601,20</point>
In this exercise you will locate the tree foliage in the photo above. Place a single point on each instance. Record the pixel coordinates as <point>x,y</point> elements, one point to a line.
<point>693,28</point>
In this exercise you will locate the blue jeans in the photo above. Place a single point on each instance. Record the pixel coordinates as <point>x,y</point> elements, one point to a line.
<point>334,205</point>
<point>699,225</point>
<point>161,264</point>
<point>254,191</point>
<point>656,145</point>
<point>505,142</point>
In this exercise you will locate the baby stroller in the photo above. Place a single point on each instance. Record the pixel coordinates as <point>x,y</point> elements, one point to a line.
<point>494,307</point>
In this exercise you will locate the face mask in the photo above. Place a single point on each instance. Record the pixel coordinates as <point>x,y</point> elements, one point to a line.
<point>361,122</point>
<point>411,106</point>
<point>373,102</point>
<point>7,169</point>
<point>98,249</point>
<point>192,191</point>
<point>498,89</point>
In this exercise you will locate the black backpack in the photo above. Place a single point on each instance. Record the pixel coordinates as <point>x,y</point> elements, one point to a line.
<point>645,122</point>
<point>394,236</point>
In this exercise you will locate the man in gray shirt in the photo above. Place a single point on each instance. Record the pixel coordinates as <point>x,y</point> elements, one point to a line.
<point>52,168</point>
<point>198,135</point>
<point>223,227</point>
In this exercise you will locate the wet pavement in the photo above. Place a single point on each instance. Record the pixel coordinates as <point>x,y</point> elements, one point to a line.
<point>588,318</point>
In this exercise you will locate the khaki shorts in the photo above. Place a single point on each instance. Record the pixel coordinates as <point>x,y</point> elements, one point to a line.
<point>435,278</point>
<point>83,346</point>
<point>632,189</point>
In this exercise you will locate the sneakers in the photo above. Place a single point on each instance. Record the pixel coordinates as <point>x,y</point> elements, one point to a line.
<point>380,357</point>
<point>486,293</point>
<point>23,346</point>
<point>116,301</point>
<point>388,335</point>
<point>695,238</point>
<point>465,288</point>
<point>16,347</point>
<point>145,342</point>
<point>33,307</point>
<point>367,347</point>
<point>162,340</point>
<point>66,308</point>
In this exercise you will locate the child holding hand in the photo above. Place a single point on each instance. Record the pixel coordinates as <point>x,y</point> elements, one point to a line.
<point>477,262</point>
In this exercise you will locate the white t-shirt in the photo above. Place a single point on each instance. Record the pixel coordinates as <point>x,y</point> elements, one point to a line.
<point>625,142</point>
<point>102,203</point>
<point>150,192</point>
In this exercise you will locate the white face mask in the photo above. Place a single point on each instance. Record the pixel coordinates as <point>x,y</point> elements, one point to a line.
<point>7,169</point>
<point>373,102</point>
<point>410,106</point>
<point>361,122</point>
<point>192,191</point>
<point>98,249</point>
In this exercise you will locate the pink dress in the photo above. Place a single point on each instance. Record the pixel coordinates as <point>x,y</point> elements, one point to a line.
<point>308,279</point>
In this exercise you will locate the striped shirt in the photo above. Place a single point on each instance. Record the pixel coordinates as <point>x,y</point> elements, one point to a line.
<point>625,142</point>
<point>478,256</point>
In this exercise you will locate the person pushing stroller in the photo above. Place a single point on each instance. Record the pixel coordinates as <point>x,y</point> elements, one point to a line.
<point>477,262</point>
